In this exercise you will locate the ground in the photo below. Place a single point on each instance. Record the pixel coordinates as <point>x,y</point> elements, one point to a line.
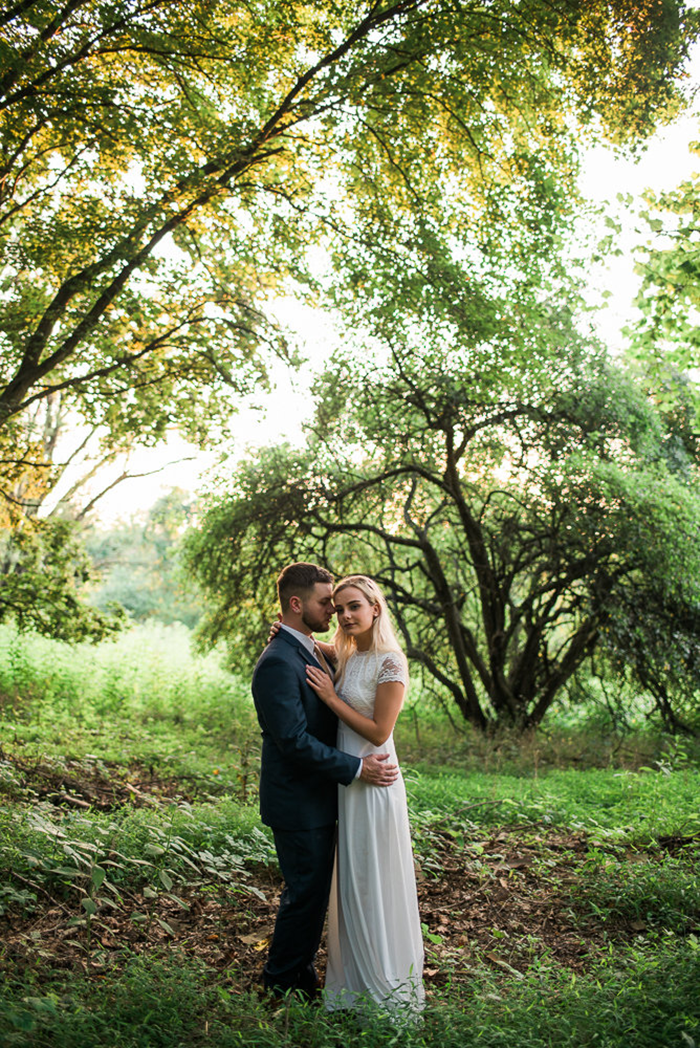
<point>509,897</point>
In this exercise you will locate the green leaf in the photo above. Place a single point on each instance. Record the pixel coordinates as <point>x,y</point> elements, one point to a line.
<point>98,875</point>
<point>179,901</point>
<point>155,850</point>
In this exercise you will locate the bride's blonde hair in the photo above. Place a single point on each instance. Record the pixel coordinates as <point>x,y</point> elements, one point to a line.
<point>383,636</point>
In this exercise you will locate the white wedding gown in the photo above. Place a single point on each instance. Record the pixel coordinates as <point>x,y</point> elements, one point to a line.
<point>375,948</point>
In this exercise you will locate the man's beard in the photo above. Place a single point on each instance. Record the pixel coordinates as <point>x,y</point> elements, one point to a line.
<point>315,625</point>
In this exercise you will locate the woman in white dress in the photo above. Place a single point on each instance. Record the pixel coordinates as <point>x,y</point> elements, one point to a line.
<point>375,948</point>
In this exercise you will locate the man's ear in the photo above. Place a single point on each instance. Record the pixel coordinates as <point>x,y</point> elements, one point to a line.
<point>295,604</point>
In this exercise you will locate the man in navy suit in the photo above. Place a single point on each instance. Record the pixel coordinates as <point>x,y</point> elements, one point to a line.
<point>300,770</point>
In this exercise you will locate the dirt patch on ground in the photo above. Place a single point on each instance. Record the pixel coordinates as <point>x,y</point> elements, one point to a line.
<point>93,783</point>
<point>510,904</point>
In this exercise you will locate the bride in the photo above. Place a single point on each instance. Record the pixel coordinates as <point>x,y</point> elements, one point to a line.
<point>375,950</point>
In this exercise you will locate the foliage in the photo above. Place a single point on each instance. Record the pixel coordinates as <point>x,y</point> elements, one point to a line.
<point>104,858</point>
<point>646,1000</point>
<point>165,168</point>
<point>609,804</point>
<point>662,894</point>
<point>85,876</point>
<point>141,697</point>
<point>253,101</point>
<point>513,491</point>
<point>253,104</point>
<point>519,515</point>
<point>664,340</point>
<point>44,577</point>
<point>139,564</point>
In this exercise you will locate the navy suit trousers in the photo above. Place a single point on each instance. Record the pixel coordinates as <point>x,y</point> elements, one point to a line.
<point>306,860</point>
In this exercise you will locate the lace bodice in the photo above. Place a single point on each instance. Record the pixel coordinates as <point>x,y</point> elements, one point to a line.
<point>364,671</point>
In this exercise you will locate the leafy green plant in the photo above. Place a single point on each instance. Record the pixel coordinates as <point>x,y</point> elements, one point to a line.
<point>608,803</point>
<point>644,999</point>
<point>144,698</point>
<point>651,893</point>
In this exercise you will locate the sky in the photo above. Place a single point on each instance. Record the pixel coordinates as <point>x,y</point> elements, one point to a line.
<point>665,163</point>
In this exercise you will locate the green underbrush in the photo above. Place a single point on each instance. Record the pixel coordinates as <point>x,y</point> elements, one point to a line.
<point>657,894</point>
<point>635,1000</point>
<point>640,806</point>
<point>429,737</point>
<point>98,856</point>
<point>143,698</point>
<point>164,746</point>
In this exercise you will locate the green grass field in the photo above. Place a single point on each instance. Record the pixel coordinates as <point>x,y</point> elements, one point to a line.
<point>137,886</point>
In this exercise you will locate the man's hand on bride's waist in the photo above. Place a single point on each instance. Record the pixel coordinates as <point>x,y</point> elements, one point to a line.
<point>377,772</point>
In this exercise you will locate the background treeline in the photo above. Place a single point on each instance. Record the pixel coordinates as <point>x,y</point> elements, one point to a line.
<point>138,564</point>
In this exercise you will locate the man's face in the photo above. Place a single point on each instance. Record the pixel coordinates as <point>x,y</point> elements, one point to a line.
<point>317,609</point>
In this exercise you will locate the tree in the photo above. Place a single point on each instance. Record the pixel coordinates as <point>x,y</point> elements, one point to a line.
<point>165,165</point>
<point>518,497</point>
<point>159,160</point>
<point>664,341</point>
<point>45,578</point>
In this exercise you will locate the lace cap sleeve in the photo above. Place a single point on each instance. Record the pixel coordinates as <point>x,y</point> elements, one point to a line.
<point>392,667</point>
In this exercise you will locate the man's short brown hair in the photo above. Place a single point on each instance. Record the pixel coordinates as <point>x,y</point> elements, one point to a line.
<point>297,580</point>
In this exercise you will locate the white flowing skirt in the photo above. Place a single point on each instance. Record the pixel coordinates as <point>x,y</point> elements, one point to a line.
<point>375,947</point>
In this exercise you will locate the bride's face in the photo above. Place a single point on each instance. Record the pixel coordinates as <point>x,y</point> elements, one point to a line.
<point>356,614</point>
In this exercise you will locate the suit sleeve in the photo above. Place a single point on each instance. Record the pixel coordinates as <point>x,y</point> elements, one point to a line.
<point>282,714</point>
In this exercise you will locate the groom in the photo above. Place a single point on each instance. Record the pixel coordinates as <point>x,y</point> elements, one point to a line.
<point>299,773</point>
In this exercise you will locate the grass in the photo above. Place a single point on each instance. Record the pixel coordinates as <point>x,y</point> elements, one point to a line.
<point>141,698</point>
<point>635,1000</point>
<point>659,894</point>
<point>167,743</point>
<point>638,806</point>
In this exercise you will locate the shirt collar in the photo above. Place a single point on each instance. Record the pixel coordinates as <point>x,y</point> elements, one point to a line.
<point>303,638</point>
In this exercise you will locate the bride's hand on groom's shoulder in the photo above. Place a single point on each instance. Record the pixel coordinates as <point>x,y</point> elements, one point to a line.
<point>274,630</point>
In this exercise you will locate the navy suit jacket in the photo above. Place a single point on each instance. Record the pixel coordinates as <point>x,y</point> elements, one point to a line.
<point>300,763</point>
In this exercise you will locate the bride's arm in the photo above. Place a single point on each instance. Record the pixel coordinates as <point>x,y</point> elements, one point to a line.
<point>387,704</point>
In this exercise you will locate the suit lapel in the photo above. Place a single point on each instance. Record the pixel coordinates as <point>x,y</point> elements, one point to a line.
<point>299,648</point>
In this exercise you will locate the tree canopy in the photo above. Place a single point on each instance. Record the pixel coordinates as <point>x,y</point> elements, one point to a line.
<point>165,166</point>
<point>665,340</point>
<point>160,160</point>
